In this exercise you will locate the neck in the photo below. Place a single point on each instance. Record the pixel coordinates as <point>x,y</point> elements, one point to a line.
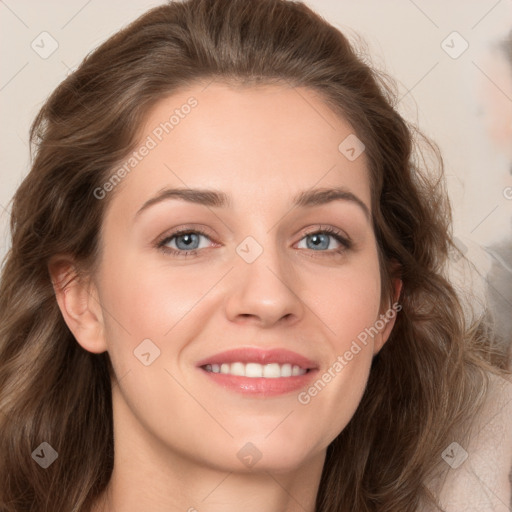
<point>134,487</point>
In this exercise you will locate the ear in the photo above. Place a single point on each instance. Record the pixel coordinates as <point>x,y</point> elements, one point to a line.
<point>79,304</point>
<point>388,317</point>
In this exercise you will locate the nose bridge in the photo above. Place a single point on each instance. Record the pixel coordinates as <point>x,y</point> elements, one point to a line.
<point>263,282</point>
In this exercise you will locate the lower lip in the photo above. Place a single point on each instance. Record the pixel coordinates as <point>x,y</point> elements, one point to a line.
<point>261,386</point>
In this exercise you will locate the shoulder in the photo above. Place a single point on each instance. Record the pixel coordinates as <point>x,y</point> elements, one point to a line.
<point>480,478</point>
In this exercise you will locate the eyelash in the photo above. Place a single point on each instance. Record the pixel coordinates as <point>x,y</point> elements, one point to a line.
<point>346,243</point>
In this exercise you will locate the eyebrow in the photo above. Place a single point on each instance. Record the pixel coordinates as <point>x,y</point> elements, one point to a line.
<point>213,198</point>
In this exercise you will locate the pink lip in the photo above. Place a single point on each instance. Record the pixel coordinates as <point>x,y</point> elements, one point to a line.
<point>254,355</point>
<point>260,386</point>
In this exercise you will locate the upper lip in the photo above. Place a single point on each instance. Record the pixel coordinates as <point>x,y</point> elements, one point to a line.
<point>261,356</point>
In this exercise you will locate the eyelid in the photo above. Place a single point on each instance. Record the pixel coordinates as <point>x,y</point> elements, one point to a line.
<point>320,228</point>
<point>173,232</point>
<point>344,241</point>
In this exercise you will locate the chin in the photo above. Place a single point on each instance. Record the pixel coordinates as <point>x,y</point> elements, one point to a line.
<point>277,453</point>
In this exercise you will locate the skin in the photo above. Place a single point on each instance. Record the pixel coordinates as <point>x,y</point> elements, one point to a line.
<point>177,434</point>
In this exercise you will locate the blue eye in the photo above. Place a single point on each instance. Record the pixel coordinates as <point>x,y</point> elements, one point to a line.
<point>320,240</point>
<point>186,242</point>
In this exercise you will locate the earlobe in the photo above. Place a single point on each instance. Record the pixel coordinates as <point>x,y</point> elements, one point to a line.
<point>78,302</point>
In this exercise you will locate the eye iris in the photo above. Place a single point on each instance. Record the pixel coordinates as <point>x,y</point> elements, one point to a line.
<point>318,243</point>
<point>190,239</point>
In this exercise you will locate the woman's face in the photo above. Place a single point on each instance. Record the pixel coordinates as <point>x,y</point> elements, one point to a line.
<point>262,277</point>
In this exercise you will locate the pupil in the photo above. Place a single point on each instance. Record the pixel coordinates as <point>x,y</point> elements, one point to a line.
<point>317,240</point>
<point>186,240</point>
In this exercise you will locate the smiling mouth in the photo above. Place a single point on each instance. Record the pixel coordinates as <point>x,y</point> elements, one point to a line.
<point>256,370</point>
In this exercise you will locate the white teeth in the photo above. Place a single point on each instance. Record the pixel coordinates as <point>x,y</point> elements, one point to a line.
<point>286,370</point>
<point>272,371</point>
<point>237,369</point>
<point>254,370</point>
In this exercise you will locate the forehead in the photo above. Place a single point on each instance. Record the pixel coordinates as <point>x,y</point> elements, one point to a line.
<point>265,142</point>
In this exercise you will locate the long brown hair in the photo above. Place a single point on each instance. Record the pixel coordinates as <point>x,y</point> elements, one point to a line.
<point>425,384</point>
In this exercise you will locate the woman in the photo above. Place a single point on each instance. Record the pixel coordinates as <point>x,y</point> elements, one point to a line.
<point>226,288</point>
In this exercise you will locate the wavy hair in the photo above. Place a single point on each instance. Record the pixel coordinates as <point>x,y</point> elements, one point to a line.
<point>426,383</point>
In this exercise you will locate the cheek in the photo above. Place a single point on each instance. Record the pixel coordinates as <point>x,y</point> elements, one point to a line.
<point>349,306</point>
<point>347,300</point>
<point>149,299</point>
<point>152,299</point>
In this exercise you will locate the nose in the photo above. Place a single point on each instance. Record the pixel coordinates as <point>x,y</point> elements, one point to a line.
<point>265,292</point>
